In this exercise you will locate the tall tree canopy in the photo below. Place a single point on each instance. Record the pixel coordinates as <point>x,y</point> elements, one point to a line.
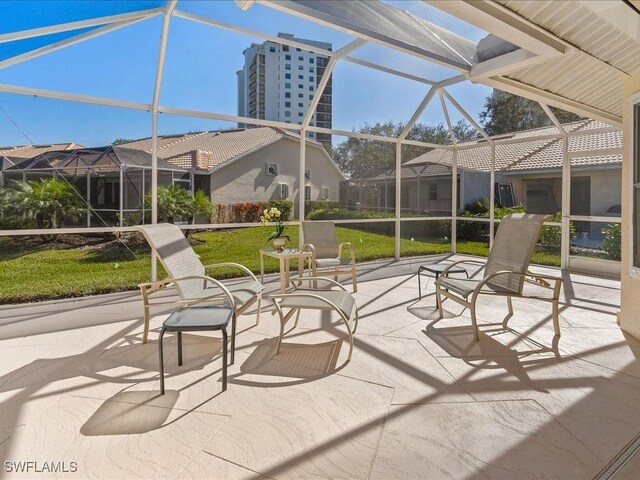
<point>506,113</point>
<point>357,157</point>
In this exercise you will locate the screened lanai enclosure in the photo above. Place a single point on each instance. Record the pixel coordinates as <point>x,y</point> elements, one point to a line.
<point>112,181</point>
<point>416,64</point>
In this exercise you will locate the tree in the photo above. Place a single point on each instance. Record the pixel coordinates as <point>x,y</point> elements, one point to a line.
<point>175,203</point>
<point>506,113</point>
<point>47,202</point>
<point>357,156</point>
<point>120,140</point>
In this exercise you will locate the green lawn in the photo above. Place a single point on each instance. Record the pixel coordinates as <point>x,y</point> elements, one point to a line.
<point>30,273</point>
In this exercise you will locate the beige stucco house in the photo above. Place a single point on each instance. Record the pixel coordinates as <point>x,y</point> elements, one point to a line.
<point>250,165</point>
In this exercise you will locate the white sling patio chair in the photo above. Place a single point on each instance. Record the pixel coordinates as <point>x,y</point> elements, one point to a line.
<point>189,276</point>
<point>326,260</point>
<point>505,272</point>
<point>317,293</point>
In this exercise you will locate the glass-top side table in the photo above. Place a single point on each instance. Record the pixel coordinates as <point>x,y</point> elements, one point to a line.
<point>284,257</point>
<point>437,269</point>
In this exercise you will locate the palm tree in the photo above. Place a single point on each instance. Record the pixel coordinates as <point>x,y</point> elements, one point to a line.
<point>176,203</point>
<point>47,202</point>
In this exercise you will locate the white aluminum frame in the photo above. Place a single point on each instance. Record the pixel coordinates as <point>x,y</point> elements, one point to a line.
<point>543,44</point>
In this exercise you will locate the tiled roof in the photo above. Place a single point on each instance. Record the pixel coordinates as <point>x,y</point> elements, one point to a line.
<point>30,151</point>
<point>207,150</point>
<point>534,154</point>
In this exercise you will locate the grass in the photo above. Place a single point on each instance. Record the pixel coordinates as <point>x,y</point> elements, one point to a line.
<point>32,273</point>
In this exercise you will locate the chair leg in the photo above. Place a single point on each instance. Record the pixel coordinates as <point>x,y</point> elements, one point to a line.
<point>355,279</point>
<point>439,302</point>
<point>225,340</point>
<point>160,355</point>
<point>234,319</point>
<point>179,349</point>
<point>419,286</point>
<point>259,309</point>
<point>510,305</point>
<point>556,319</point>
<point>145,302</point>
<point>474,323</point>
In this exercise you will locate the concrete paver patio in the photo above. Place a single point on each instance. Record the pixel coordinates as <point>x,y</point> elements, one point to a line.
<point>419,399</point>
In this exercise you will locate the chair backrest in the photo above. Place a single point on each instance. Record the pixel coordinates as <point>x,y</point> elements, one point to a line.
<point>322,235</point>
<point>512,249</point>
<point>176,255</point>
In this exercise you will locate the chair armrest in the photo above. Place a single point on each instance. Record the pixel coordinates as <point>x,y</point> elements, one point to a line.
<point>544,284</point>
<point>352,251</point>
<point>233,265</point>
<point>167,281</point>
<point>445,272</point>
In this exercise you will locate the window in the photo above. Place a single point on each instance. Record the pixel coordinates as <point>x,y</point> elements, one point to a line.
<point>310,69</point>
<point>310,97</point>
<point>300,85</point>
<point>301,58</point>
<point>272,49</point>
<point>307,175</point>
<point>300,67</point>
<point>301,95</point>
<point>300,77</point>
<point>298,50</point>
<point>287,76</point>
<point>311,79</point>
<point>287,66</point>
<point>271,169</point>
<point>311,60</point>
<point>300,114</point>
<point>287,85</point>
<point>433,191</point>
<point>285,48</point>
<point>287,104</point>
<point>287,113</point>
<point>283,190</point>
<point>325,193</point>
<point>287,57</point>
<point>307,192</point>
<point>635,206</point>
<point>300,104</point>
<point>287,94</point>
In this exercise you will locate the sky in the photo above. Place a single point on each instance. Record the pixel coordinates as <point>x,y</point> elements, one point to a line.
<point>199,73</point>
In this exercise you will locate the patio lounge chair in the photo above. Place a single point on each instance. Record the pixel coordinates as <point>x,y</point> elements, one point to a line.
<point>318,294</point>
<point>505,272</point>
<point>189,276</point>
<point>321,239</point>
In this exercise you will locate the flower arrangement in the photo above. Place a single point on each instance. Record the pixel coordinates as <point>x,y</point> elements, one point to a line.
<point>278,236</point>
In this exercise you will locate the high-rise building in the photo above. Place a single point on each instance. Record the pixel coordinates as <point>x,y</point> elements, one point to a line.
<point>278,82</point>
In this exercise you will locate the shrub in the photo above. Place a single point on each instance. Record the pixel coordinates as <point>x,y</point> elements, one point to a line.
<point>611,244</point>
<point>250,212</point>
<point>343,213</point>
<point>313,205</point>
<point>177,204</point>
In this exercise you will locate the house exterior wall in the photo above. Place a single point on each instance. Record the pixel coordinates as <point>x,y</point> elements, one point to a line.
<point>473,186</point>
<point>629,316</point>
<point>246,180</point>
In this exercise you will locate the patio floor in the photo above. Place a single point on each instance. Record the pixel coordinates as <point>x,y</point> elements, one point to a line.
<point>419,399</point>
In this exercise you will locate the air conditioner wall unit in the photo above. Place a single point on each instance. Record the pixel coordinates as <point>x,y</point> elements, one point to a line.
<point>284,190</point>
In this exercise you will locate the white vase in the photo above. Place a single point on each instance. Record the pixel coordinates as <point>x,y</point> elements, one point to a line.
<point>279,243</point>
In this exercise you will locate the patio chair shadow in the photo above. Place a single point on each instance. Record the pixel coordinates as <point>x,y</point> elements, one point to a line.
<point>299,361</point>
<point>130,412</point>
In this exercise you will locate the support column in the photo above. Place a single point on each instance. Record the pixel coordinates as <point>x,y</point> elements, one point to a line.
<point>398,197</point>
<point>154,187</point>
<point>454,200</point>
<point>121,195</point>
<point>492,196</point>
<point>302,183</point>
<point>565,232</point>
<point>88,174</point>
